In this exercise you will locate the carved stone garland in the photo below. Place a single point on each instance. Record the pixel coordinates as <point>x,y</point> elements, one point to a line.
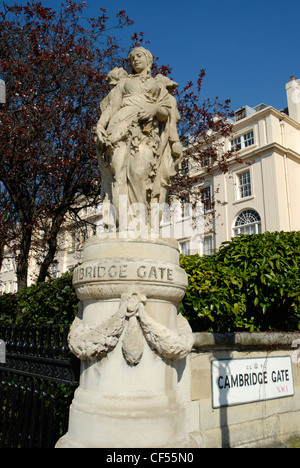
<point>89,344</point>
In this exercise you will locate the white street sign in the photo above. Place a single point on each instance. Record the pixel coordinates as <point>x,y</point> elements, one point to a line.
<point>240,381</point>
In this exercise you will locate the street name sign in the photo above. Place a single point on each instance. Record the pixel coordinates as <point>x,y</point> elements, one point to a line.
<point>241,381</point>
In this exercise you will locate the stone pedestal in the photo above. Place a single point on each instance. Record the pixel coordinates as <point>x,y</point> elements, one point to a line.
<point>128,335</point>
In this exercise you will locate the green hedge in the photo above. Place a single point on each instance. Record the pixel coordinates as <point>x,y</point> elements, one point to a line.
<point>51,303</point>
<point>251,283</point>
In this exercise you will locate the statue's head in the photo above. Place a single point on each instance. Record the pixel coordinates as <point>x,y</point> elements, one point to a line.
<point>140,60</point>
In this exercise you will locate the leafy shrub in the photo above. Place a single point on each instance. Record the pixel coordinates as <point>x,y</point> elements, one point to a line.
<point>251,283</point>
<point>51,303</point>
<point>8,308</point>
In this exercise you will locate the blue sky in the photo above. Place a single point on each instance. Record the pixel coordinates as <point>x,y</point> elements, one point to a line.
<point>248,49</point>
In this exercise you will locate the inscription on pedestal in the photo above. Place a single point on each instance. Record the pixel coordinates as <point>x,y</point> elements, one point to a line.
<point>154,272</point>
<point>123,271</point>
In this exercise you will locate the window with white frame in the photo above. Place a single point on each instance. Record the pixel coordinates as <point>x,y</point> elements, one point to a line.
<point>244,185</point>
<point>72,245</point>
<point>243,141</point>
<point>206,198</point>
<point>185,247</point>
<point>207,245</point>
<point>248,139</point>
<point>7,265</point>
<point>247,222</point>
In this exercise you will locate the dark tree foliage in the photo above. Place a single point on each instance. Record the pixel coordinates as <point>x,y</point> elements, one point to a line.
<point>54,67</point>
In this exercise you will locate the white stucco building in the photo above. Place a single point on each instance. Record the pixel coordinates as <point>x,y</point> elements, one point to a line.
<point>261,193</point>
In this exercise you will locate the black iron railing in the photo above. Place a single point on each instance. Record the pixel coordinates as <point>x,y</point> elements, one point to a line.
<point>37,384</point>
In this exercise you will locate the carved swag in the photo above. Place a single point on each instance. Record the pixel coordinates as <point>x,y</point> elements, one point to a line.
<point>131,318</point>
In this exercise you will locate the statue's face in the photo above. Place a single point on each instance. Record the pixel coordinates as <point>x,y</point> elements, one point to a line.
<point>138,61</point>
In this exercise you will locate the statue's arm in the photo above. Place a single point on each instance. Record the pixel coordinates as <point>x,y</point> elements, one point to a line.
<point>105,117</point>
<point>113,105</point>
<point>162,114</point>
<point>151,111</point>
<point>159,110</point>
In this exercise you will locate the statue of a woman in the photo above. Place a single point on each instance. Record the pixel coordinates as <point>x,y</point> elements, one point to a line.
<point>137,141</point>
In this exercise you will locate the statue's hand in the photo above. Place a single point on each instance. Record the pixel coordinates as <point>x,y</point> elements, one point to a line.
<point>101,135</point>
<point>152,111</point>
<point>147,114</point>
<point>177,149</point>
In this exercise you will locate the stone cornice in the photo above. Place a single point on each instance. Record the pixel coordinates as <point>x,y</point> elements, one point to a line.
<point>237,126</point>
<point>255,340</point>
<point>248,157</point>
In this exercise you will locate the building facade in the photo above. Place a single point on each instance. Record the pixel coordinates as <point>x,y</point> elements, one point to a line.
<point>261,192</point>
